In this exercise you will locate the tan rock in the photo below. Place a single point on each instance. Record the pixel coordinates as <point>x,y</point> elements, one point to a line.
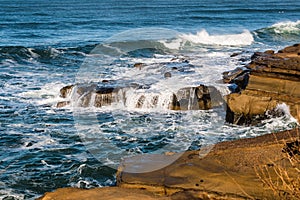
<point>250,105</point>
<point>111,193</point>
<point>229,171</point>
<point>274,79</point>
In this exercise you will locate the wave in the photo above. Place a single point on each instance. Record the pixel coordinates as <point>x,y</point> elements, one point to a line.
<point>146,38</point>
<point>287,30</point>
<point>21,54</point>
<point>203,37</point>
<point>286,27</point>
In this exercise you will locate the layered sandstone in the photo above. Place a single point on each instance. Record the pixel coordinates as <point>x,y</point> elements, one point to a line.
<point>239,169</point>
<point>270,79</point>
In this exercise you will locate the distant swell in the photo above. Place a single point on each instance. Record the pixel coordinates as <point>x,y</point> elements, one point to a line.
<point>21,54</point>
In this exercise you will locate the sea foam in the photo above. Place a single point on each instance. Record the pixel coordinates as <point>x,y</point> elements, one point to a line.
<point>203,37</point>
<point>287,27</point>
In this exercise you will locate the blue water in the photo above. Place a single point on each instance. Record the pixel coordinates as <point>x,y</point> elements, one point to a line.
<point>44,45</point>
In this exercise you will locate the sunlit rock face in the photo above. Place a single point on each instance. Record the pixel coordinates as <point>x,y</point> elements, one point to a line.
<point>270,79</point>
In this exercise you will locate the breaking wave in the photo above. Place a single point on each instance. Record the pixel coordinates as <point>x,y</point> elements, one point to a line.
<point>203,37</point>
<point>287,31</point>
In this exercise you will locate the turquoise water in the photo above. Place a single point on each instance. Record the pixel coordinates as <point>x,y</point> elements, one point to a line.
<point>46,45</point>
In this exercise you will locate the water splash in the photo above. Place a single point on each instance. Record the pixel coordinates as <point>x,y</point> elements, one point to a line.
<point>203,37</point>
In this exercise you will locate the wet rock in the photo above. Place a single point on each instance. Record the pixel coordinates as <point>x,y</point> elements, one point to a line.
<point>65,91</point>
<point>138,65</point>
<point>103,97</point>
<point>167,75</point>
<point>270,79</point>
<point>62,104</point>
<point>269,52</point>
<point>238,76</point>
<point>196,98</point>
<point>235,54</point>
<point>243,109</point>
<point>192,98</point>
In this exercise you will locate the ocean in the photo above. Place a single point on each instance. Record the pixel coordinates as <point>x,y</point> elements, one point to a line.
<point>46,45</point>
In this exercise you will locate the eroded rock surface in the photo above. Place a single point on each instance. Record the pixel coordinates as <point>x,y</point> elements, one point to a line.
<point>230,170</point>
<point>270,79</point>
<point>227,170</point>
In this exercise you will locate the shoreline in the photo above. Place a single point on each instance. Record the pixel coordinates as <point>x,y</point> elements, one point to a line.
<point>263,167</point>
<point>227,172</point>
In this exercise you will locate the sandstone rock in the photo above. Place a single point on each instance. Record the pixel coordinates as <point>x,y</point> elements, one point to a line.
<point>274,78</point>
<point>111,193</point>
<point>65,91</point>
<point>229,170</point>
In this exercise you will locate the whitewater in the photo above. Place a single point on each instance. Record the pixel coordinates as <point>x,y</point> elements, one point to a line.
<point>48,45</point>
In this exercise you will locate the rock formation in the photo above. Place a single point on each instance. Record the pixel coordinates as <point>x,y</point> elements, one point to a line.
<point>189,98</point>
<point>265,167</point>
<point>230,170</point>
<point>270,79</point>
<point>240,169</point>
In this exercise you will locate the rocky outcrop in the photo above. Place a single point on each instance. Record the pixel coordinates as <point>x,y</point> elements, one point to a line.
<point>112,193</point>
<point>270,79</point>
<point>240,169</point>
<point>230,170</point>
<point>189,98</point>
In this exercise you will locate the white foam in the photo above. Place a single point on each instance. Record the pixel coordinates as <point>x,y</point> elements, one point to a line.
<point>148,100</point>
<point>286,110</point>
<point>172,44</point>
<point>287,27</point>
<point>203,37</point>
<point>48,94</point>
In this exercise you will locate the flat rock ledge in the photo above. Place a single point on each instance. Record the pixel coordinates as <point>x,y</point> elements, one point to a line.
<point>265,167</point>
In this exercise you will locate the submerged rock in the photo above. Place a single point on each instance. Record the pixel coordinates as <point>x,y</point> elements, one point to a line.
<point>272,79</point>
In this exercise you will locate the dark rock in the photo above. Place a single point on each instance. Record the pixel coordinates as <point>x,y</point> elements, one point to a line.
<point>190,98</point>
<point>167,75</point>
<point>234,54</point>
<point>138,65</point>
<point>269,52</point>
<point>197,98</point>
<point>65,91</point>
<point>238,76</point>
<point>62,104</point>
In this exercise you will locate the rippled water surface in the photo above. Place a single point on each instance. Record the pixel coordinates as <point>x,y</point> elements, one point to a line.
<point>45,45</point>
